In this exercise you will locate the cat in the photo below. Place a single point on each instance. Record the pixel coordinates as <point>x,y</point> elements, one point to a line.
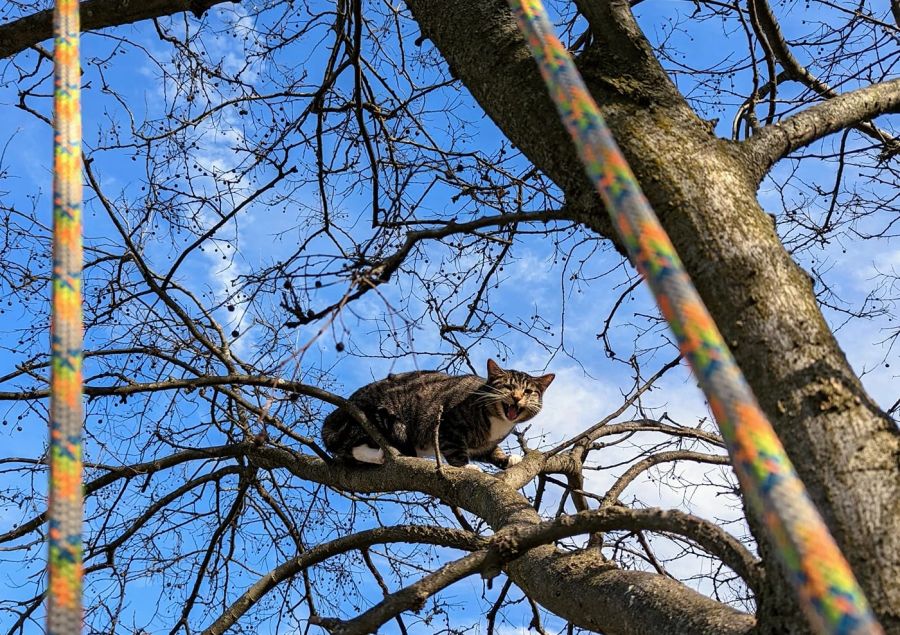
<point>473,414</point>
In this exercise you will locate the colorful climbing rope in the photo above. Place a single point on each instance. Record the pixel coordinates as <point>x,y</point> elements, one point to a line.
<point>829,594</point>
<point>65,510</point>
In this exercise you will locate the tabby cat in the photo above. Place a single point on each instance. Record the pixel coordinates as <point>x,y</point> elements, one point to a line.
<point>473,414</point>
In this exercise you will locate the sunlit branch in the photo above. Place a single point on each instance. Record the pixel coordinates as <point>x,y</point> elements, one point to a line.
<point>612,495</point>
<point>780,139</point>
<point>588,435</point>
<point>652,425</point>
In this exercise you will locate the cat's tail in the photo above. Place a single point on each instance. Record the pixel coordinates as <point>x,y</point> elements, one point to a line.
<point>334,432</point>
<point>346,440</point>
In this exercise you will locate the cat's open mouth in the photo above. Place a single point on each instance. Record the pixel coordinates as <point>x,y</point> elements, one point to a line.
<point>511,411</point>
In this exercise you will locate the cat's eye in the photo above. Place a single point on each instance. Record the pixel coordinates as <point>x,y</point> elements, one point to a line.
<point>528,391</point>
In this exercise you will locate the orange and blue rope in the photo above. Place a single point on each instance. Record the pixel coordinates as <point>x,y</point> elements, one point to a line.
<point>829,594</point>
<point>64,613</point>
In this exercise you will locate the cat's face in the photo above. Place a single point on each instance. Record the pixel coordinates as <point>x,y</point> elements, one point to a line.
<point>514,395</point>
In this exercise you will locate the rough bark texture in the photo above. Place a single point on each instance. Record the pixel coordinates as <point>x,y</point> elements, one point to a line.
<point>845,449</point>
<point>777,140</point>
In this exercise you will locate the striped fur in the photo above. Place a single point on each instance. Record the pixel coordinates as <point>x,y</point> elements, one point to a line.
<point>473,415</point>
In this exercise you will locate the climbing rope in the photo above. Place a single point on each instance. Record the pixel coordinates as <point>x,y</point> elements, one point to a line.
<point>830,596</point>
<point>65,509</point>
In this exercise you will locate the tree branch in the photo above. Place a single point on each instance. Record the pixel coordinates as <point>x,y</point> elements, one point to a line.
<point>652,425</point>
<point>95,14</point>
<point>769,31</point>
<point>510,544</point>
<point>130,471</point>
<point>411,534</point>
<point>655,459</point>
<point>411,597</point>
<point>210,550</point>
<point>774,142</point>
<point>484,48</point>
<point>590,434</point>
<point>380,271</point>
<point>579,586</point>
<point>110,547</point>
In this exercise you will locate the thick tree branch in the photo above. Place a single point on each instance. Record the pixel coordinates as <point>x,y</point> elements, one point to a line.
<point>579,586</point>
<point>95,14</point>
<point>707,535</point>
<point>561,581</point>
<point>778,140</point>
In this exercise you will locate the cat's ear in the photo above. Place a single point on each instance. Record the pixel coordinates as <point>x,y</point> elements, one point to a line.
<point>544,380</point>
<point>494,370</point>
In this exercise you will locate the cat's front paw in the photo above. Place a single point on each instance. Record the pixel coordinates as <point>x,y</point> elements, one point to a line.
<point>473,466</point>
<point>513,459</point>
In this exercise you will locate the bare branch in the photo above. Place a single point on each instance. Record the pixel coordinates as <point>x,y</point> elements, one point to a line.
<point>588,435</point>
<point>131,471</point>
<point>655,459</point>
<point>95,14</point>
<point>510,544</point>
<point>778,140</point>
<point>410,534</point>
<point>772,37</point>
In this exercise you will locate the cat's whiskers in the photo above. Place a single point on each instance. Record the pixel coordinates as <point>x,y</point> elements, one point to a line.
<point>494,397</point>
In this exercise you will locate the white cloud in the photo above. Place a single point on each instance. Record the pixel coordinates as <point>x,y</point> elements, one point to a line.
<point>573,402</point>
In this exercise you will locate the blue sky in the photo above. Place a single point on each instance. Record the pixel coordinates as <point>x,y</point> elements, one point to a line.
<point>570,311</point>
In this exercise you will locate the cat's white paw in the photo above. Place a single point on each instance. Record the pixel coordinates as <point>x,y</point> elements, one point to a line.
<point>473,466</point>
<point>365,454</point>
<point>514,459</point>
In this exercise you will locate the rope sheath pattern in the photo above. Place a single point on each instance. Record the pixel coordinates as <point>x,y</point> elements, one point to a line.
<point>830,596</point>
<point>66,414</point>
